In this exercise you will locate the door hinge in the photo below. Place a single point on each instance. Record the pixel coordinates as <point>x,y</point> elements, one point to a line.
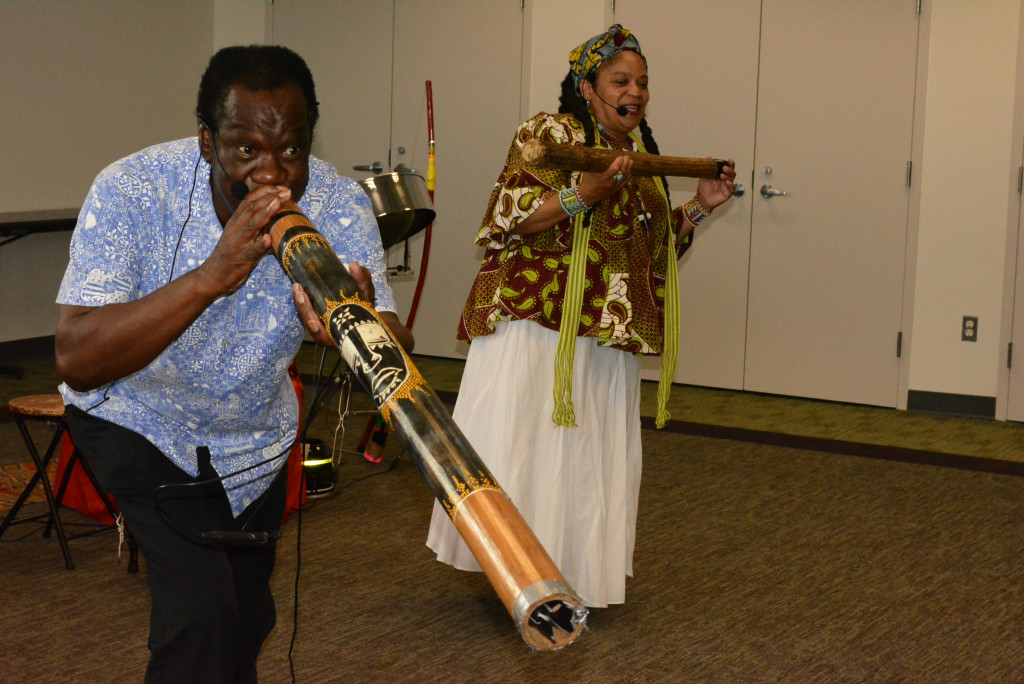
<point>1009,355</point>
<point>918,6</point>
<point>1020,179</point>
<point>899,344</point>
<point>910,172</point>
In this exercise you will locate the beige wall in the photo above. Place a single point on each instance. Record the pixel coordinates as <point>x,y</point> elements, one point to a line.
<point>240,22</point>
<point>82,85</point>
<point>967,154</point>
<point>548,43</point>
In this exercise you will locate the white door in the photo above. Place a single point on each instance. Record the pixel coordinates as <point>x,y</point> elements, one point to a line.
<point>834,128</point>
<point>347,46</point>
<point>473,59</point>
<point>704,102</point>
<point>371,61</point>
<point>798,294</point>
<point>1015,392</point>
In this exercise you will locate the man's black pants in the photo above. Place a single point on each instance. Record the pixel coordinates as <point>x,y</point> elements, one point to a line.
<point>211,606</point>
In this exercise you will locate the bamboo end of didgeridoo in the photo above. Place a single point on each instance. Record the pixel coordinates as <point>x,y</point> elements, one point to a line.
<point>549,615</point>
<point>545,609</point>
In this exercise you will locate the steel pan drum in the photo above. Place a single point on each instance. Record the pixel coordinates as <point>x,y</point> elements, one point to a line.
<point>401,204</point>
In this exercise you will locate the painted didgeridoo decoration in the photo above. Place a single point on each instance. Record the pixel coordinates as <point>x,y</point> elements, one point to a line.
<point>550,155</point>
<point>546,610</point>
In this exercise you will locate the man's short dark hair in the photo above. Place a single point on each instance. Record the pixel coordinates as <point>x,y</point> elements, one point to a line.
<point>255,67</point>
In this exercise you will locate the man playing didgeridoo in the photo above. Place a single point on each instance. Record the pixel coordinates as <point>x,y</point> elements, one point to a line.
<point>578,280</point>
<point>175,333</point>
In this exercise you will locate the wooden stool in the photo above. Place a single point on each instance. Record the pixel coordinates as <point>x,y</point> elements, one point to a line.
<point>49,408</point>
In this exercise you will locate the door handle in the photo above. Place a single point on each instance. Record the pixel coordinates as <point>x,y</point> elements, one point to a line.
<point>739,191</point>
<point>375,168</point>
<point>768,192</point>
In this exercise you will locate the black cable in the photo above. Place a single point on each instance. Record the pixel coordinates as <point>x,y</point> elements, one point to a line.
<point>318,398</point>
<point>166,491</point>
<point>174,259</point>
<point>161,494</point>
<point>322,387</point>
<point>298,568</point>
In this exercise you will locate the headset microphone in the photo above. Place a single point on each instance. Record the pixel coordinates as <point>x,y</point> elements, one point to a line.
<point>621,110</point>
<point>239,189</point>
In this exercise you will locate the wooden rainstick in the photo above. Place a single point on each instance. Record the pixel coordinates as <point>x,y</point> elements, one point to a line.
<point>596,159</point>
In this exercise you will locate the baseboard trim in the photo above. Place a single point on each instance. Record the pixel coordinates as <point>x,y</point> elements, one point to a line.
<point>836,446</point>
<point>968,405</point>
<point>12,350</point>
<point>829,446</point>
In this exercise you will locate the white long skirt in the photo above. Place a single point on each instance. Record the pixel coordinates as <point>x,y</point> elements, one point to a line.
<point>577,488</point>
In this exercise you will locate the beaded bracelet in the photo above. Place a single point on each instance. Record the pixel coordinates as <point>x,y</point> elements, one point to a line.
<point>570,201</point>
<point>695,211</point>
<point>579,197</point>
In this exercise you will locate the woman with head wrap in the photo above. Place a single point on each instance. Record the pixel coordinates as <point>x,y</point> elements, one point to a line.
<point>578,280</point>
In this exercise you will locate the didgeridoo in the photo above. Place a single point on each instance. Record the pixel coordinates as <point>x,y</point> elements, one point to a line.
<point>595,159</point>
<point>543,606</point>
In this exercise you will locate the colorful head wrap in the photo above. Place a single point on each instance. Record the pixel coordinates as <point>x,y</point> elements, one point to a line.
<point>584,59</point>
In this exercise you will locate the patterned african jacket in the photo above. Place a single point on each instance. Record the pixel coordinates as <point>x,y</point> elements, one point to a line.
<point>524,277</point>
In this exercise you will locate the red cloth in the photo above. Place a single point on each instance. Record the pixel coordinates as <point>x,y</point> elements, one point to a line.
<point>81,496</point>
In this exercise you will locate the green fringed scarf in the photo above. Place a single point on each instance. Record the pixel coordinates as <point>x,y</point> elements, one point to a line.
<point>572,306</point>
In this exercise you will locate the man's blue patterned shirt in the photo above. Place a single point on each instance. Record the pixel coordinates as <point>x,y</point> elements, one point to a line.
<point>224,383</point>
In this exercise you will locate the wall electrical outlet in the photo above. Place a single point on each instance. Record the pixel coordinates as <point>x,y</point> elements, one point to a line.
<point>969,331</point>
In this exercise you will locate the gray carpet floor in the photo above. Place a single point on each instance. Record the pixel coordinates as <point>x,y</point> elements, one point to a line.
<point>754,563</point>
